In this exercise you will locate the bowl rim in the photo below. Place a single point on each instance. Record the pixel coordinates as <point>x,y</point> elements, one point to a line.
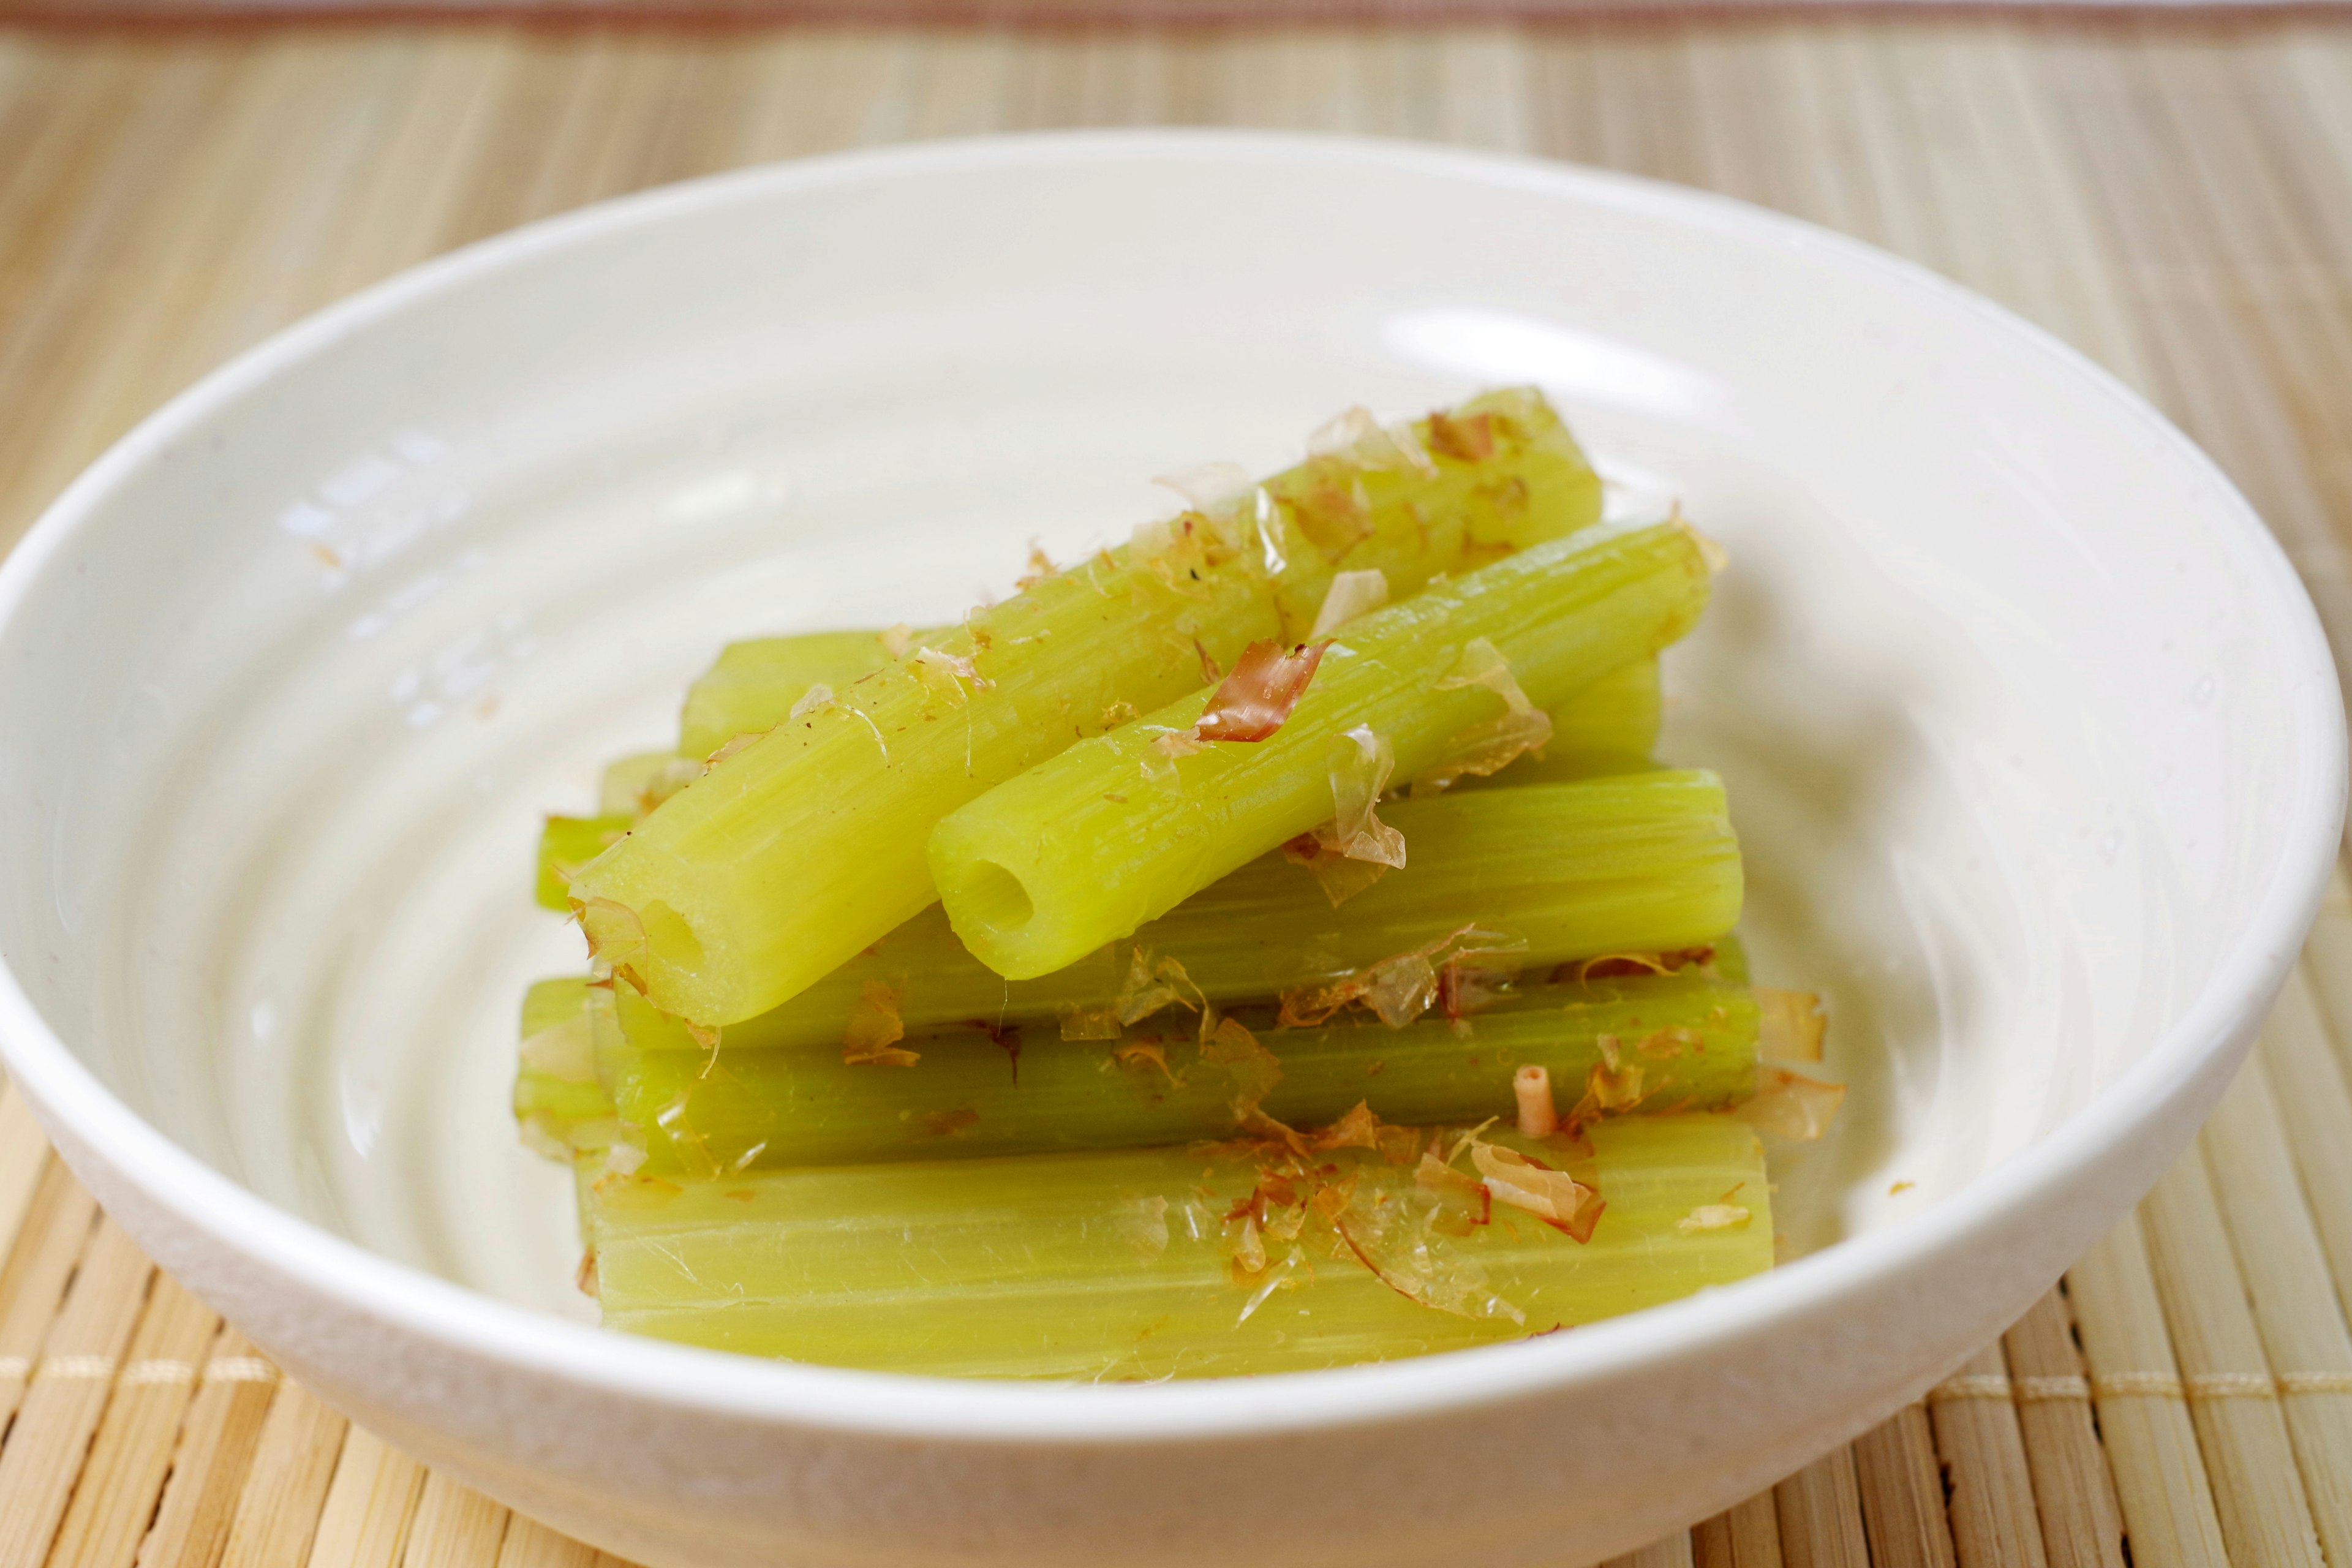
<point>460,1322</point>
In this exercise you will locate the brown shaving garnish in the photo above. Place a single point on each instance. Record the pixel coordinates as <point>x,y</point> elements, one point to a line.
<point>1355,848</point>
<point>948,1123</point>
<point>1209,672</point>
<point>1790,1105</point>
<point>1790,1024</point>
<point>1150,986</point>
<point>1350,594</point>
<point>1713,1217</point>
<point>1331,507</point>
<point>584,1277</point>
<point>743,741</point>
<point>1249,1250</point>
<point>1041,566</point>
<point>1255,1070</point>
<point>1258,696</point>
<point>895,640</point>
<point>1525,1183</point>
<point>1665,1044</point>
<point>616,937</point>
<point>1539,1117</point>
<point>874,1030</point>
<point>1469,439</point>
<point>1488,748</point>
<point>1399,988</point>
<point>1633,965</point>
<point>947,674</point>
<point>1361,1129</point>
<point>1147,1053</point>
<point>1090,1022</point>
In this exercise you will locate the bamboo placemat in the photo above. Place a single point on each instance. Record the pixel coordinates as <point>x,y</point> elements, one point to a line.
<point>2175,198</point>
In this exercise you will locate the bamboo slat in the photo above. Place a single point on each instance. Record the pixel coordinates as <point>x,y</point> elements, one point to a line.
<point>1820,1515</point>
<point>2257,1492</point>
<point>455,1528</point>
<point>370,1507</point>
<point>276,1516</point>
<point>2073,1492</point>
<point>116,1494</point>
<point>1993,1519</point>
<point>1902,1488</point>
<point>212,1458</point>
<point>1747,1535</point>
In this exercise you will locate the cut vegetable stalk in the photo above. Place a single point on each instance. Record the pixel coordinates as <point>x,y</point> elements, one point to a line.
<point>560,1105</point>
<point>753,686</point>
<point>1610,727</point>
<point>1641,863</point>
<point>798,850</point>
<point>1678,1042</point>
<point>1175,1262</point>
<point>1115,831</point>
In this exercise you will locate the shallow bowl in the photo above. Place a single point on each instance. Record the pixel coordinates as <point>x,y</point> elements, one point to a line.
<point>2031,737</point>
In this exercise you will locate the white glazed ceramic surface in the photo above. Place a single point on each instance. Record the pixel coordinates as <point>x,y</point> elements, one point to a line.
<point>2032,737</point>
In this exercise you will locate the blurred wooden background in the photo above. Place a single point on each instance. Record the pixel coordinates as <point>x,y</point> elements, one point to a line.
<point>2172,193</point>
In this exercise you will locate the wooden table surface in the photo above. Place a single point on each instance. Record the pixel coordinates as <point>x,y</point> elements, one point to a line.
<point>2173,195</point>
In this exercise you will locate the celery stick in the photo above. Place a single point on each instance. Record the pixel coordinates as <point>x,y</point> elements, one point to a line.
<point>633,784</point>
<point>559,1104</point>
<point>1643,862</point>
<point>1124,1265</point>
<point>566,843</point>
<point>1692,1039</point>
<point>754,684</point>
<point>1084,848</point>
<point>797,851</point>
<point>1610,727</point>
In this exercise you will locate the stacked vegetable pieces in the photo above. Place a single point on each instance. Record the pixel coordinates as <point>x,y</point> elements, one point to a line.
<point>1069,992</point>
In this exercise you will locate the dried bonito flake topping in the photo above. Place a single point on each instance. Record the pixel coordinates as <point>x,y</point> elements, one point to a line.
<point>1488,748</point>
<point>1362,1129</point>
<point>1041,566</point>
<point>1633,965</point>
<point>896,640</point>
<point>1355,848</point>
<point>1257,698</point>
<point>1399,988</point>
<point>1360,439</point>
<point>1350,594</point>
<point>1789,1104</point>
<point>1791,1026</point>
<point>1464,438</point>
<point>1525,1183</point>
<point>1210,488</point>
<point>874,1030</point>
<point>1713,1217</point>
<point>952,676</point>
<point>1152,985</point>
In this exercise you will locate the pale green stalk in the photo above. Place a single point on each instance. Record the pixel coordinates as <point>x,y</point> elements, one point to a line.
<point>751,688</point>
<point>1114,831</point>
<point>797,851</point>
<point>561,1106</point>
<point>1684,1042</point>
<point>1610,727</point>
<point>1125,1265</point>
<point>1640,863</point>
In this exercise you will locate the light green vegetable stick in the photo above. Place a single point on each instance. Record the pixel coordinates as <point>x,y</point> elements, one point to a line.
<point>753,686</point>
<point>1640,863</point>
<point>1126,1265</point>
<point>1683,1042</point>
<point>560,1105</point>
<point>1610,727</point>
<point>795,852</point>
<point>1115,831</point>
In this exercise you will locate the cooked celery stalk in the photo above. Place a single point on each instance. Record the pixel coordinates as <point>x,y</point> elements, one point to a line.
<point>1126,1265</point>
<point>559,1104</point>
<point>753,686</point>
<point>1115,831</point>
<point>1684,1042</point>
<point>1640,863</point>
<point>566,843</point>
<point>1610,727</point>
<point>793,854</point>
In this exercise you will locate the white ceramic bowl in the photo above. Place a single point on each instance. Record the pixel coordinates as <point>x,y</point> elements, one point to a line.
<point>2033,738</point>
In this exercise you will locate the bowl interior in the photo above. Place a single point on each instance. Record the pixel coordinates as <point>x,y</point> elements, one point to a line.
<point>1998,679</point>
